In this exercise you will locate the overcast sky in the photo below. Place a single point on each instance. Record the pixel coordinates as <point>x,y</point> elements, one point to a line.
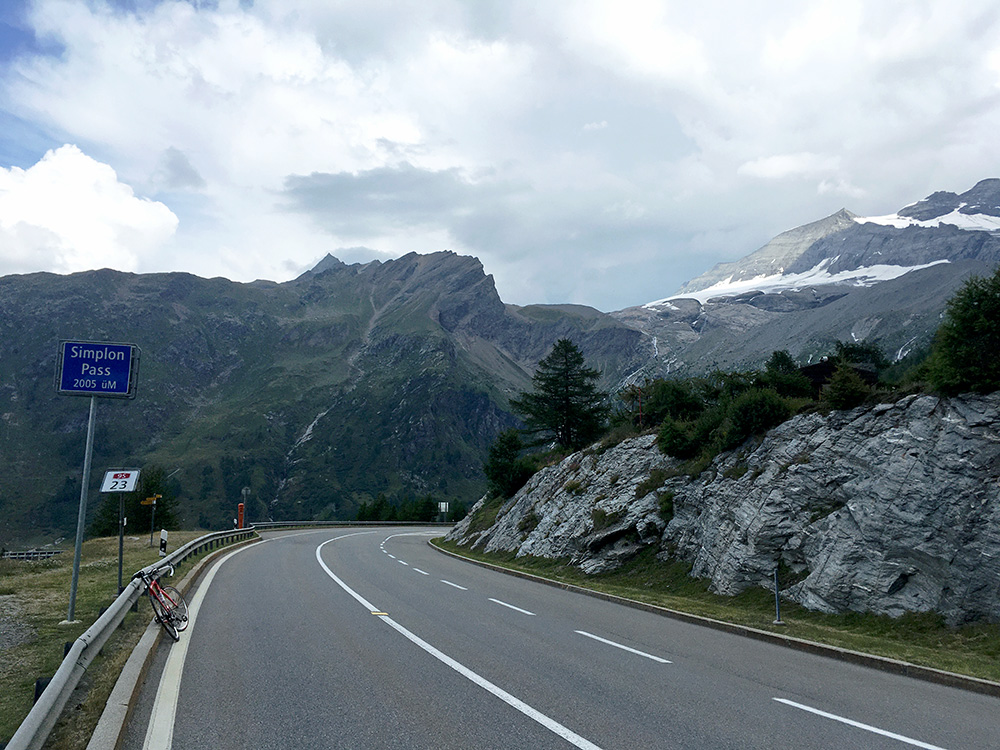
<point>596,152</point>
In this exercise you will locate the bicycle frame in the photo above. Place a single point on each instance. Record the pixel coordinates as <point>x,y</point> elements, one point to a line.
<point>162,595</point>
<point>169,607</point>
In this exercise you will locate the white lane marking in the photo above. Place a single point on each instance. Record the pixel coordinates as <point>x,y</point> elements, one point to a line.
<point>421,572</point>
<point>160,731</point>
<point>392,556</point>
<point>859,725</point>
<point>623,647</point>
<point>403,563</point>
<point>454,584</point>
<point>511,606</point>
<point>551,724</point>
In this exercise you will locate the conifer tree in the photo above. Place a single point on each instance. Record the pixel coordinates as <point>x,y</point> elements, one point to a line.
<point>966,346</point>
<point>566,405</point>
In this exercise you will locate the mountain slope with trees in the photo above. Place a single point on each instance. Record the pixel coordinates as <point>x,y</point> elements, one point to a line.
<point>320,394</point>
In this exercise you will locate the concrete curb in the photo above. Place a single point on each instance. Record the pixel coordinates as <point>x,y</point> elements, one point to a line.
<point>110,730</point>
<point>951,679</point>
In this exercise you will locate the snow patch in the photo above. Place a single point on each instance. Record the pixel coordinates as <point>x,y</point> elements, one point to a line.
<point>816,276</point>
<point>970,222</point>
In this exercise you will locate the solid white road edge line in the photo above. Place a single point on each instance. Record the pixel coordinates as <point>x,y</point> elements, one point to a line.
<point>160,731</point>
<point>623,647</point>
<point>859,725</point>
<point>511,606</point>
<point>547,722</point>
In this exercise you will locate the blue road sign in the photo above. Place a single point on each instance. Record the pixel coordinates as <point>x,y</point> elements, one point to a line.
<point>89,368</point>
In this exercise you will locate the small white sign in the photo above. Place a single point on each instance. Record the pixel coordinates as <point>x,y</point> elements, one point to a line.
<point>120,480</point>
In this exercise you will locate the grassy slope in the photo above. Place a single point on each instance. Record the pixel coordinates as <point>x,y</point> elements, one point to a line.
<point>35,595</point>
<point>922,639</point>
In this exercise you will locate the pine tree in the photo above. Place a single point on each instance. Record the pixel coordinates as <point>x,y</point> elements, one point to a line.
<point>964,357</point>
<point>846,389</point>
<point>506,471</point>
<point>566,405</point>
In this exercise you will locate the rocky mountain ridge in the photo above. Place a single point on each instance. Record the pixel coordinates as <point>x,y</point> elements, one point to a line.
<point>887,509</point>
<point>395,377</point>
<point>318,394</point>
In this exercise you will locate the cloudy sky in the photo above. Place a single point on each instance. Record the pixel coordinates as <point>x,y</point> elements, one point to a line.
<point>599,152</point>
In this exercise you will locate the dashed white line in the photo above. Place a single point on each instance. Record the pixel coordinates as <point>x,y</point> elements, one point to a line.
<point>401,562</point>
<point>421,572</point>
<point>859,725</point>
<point>623,647</point>
<point>462,588</point>
<point>511,606</point>
<point>551,724</point>
<point>392,556</point>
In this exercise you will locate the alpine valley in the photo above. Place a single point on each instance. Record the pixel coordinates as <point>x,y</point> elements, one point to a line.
<point>394,378</point>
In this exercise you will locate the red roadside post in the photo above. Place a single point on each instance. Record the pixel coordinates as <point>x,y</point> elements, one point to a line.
<point>239,516</point>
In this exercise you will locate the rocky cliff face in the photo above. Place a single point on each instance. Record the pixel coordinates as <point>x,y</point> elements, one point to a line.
<point>883,509</point>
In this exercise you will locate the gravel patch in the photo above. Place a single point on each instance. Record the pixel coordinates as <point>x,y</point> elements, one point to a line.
<point>13,631</point>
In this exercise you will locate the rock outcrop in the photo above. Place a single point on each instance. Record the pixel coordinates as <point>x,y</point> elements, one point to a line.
<point>887,509</point>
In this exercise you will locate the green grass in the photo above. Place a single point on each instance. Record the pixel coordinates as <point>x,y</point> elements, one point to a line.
<point>922,639</point>
<point>37,595</point>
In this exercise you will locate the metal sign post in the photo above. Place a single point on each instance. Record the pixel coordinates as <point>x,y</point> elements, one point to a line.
<point>120,481</point>
<point>81,520</point>
<point>88,368</point>
<point>152,516</point>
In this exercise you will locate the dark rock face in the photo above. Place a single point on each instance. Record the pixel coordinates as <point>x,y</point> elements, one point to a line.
<point>886,509</point>
<point>866,245</point>
<point>983,198</point>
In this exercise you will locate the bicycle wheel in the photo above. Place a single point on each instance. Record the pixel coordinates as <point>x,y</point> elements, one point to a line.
<point>162,615</point>
<point>177,606</point>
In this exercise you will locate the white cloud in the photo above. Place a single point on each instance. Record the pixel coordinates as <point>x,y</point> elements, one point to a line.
<point>730,122</point>
<point>70,213</point>
<point>781,166</point>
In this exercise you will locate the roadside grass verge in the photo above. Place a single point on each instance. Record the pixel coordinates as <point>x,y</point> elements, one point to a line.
<point>922,639</point>
<point>34,599</point>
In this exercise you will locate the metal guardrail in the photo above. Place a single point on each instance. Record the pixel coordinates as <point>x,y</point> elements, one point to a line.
<point>37,725</point>
<point>31,554</point>
<point>272,525</point>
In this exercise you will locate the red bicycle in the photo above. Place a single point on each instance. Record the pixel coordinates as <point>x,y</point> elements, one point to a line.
<point>169,607</point>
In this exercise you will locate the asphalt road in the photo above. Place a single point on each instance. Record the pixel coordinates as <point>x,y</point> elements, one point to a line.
<point>357,639</point>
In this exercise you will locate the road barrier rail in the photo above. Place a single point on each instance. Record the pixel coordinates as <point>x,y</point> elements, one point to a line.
<point>37,725</point>
<point>31,554</point>
<point>276,525</point>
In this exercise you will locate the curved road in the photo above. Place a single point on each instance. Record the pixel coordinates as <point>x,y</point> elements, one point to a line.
<point>369,638</point>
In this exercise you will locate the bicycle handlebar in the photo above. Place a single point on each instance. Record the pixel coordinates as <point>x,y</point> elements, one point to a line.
<point>143,575</point>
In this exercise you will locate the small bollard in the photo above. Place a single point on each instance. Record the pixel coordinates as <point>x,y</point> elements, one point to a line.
<point>40,684</point>
<point>777,601</point>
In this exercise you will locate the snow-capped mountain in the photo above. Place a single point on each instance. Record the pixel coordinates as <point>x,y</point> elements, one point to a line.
<point>882,279</point>
<point>847,249</point>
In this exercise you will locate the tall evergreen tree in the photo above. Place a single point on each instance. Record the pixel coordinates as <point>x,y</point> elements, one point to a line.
<point>566,405</point>
<point>964,357</point>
